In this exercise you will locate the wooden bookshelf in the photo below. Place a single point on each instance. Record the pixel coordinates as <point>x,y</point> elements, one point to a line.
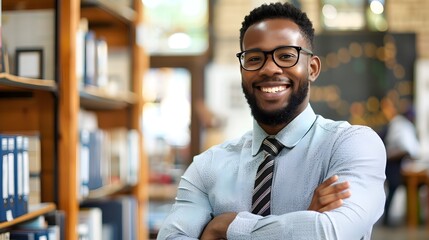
<point>51,107</point>
<point>34,211</point>
<point>7,79</point>
<point>94,98</point>
<point>109,190</point>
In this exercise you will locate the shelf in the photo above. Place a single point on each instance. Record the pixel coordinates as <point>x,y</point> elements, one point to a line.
<point>34,211</point>
<point>27,83</point>
<point>162,192</point>
<point>123,12</point>
<point>97,99</point>
<point>27,4</point>
<point>51,107</point>
<point>112,21</point>
<point>108,190</point>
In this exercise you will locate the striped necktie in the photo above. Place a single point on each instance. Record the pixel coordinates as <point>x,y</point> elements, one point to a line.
<point>264,177</point>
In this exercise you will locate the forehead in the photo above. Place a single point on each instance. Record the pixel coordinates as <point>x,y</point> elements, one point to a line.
<point>271,33</point>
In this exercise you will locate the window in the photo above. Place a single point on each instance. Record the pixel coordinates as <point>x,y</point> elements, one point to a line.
<point>176,26</point>
<point>354,15</point>
<point>166,116</point>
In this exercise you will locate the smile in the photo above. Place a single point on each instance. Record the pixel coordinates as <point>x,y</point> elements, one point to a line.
<point>273,89</point>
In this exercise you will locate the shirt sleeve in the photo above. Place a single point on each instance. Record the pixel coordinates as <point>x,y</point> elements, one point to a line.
<point>191,212</point>
<point>402,136</point>
<point>359,157</point>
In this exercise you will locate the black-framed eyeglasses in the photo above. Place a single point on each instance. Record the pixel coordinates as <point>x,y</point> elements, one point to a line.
<point>283,56</point>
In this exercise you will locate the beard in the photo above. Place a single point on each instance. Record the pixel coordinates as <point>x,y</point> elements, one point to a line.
<point>281,116</point>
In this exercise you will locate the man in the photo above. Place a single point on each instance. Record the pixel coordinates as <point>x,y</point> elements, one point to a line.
<point>219,195</point>
<point>402,146</point>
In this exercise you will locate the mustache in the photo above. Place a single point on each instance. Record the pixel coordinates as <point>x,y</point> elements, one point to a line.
<point>272,79</point>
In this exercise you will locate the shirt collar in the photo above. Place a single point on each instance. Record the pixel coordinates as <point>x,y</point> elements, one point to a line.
<point>290,135</point>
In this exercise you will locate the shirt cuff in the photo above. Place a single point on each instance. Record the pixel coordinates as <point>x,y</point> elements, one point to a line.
<point>242,226</point>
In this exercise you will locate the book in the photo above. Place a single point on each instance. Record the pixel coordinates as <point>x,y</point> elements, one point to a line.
<point>119,71</point>
<point>118,216</point>
<point>90,59</point>
<point>95,180</point>
<point>32,160</point>
<point>56,224</point>
<point>124,152</point>
<point>80,51</point>
<point>30,234</point>
<point>45,227</point>
<point>14,176</point>
<point>118,150</point>
<point>92,219</point>
<point>35,228</point>
<point>3,178</point>
<point>84,155</point>
<point>21,171</point>
<point>133,156</point>
<point>5,236</point>
<point>10,168</point>
<point>101,63</point>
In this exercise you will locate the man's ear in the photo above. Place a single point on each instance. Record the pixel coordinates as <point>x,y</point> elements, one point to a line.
<point>314,68</point>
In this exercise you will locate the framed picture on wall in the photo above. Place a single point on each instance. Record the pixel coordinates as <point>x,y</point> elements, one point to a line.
<point>29,63</point>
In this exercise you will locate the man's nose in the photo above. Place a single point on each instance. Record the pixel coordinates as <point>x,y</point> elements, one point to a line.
<point>270,67</point>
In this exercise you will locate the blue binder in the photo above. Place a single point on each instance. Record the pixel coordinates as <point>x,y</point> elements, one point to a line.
<point>7,173</point>
<point>20,200</point>
<point>3,178</point>
<point>10,213</point>
<point>95,180</point>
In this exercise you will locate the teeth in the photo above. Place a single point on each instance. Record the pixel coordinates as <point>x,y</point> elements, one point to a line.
<point>273,89</point>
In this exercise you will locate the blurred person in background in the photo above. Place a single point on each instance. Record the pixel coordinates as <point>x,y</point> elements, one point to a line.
<point>402,146</point>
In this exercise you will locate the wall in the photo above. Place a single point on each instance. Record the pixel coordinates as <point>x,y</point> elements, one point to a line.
<point>411,16</point>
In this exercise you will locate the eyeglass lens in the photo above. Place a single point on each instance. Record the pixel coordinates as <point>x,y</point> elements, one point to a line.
<point>283,57</point>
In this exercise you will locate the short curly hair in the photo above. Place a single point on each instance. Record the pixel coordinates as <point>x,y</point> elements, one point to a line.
<point>279,10</point>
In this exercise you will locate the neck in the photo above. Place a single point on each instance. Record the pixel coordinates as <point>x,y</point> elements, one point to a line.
<point>272,130</point>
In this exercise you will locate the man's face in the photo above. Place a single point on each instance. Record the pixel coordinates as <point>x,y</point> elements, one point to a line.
<point>276,95</point>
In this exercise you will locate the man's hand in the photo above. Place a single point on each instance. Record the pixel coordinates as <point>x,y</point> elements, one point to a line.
<point>217,227</point>
<point>329,196</point>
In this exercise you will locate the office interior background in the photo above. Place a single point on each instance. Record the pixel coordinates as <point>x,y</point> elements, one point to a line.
<point>371,51</point>
<point>185,96</point>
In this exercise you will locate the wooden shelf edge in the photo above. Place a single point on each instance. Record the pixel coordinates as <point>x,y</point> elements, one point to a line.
<point>162,192</point>
<point>96,98</point>
<point>108,190</point>
<point>28,83</point>
<point>126,13</point>
<point>34,211</point>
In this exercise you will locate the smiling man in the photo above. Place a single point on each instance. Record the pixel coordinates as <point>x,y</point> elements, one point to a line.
<point>296,175</point>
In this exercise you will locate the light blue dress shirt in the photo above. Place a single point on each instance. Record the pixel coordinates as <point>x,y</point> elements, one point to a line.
<point>221,180</point>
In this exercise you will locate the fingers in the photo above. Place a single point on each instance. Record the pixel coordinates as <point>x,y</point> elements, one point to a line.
<point>328,181</point>
<point>333,197</point>
<point>329,195</point>
<point>334,188</point>
<point>331,206</point>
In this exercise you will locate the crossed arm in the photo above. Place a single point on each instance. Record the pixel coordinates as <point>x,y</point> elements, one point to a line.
<point>359,158</point>
<point>327,196</point>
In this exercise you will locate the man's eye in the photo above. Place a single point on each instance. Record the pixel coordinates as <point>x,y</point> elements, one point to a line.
<point>253,59</point>
<point>286,56</point>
